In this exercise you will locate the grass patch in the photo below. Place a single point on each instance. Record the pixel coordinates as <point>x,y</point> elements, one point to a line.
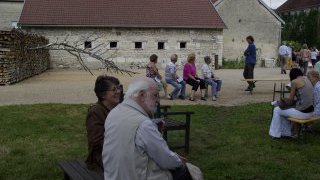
<point>233,64</point>
<point>226,143</point>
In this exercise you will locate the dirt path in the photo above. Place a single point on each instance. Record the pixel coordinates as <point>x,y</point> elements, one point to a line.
<point>62,86</point>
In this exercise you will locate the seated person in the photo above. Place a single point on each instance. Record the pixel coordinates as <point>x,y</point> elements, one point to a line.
<point>301,98</point>
<point>313,76</point>
<point>191,77</point>
<point>108,92</point>
<point>152,72</point>
<point>317,66</point>
<point>134,147</point>
<point>209,78</point>
<point>173,79</point>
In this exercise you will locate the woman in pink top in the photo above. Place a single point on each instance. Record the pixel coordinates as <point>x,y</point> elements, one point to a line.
<point>191,77</point>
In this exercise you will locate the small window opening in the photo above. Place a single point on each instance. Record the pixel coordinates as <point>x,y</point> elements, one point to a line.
<point>87,44</point>
<point>138,45</point>
<point>183,45</point>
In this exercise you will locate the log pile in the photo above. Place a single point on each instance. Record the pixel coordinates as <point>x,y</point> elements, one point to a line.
<point>17,60</point>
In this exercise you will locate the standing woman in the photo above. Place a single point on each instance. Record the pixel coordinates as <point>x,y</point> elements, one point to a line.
<point>250,54</point>
<point>305,58</point>
<point>302,94</point>
<point>108,92</point>
<point>153,73</point>
<point>191,77</point>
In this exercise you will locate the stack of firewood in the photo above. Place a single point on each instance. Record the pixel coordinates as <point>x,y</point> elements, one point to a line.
<point>18,58</point>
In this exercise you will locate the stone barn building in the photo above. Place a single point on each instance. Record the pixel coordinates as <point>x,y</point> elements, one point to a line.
<point>249,17</point>
<point>132,30</point>
<point>10,11</point>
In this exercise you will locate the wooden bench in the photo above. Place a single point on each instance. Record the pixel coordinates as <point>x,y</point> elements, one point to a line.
<point>303,124</point>
<point>270,79</point>
<point>77,170</point>
<point>173,125</point>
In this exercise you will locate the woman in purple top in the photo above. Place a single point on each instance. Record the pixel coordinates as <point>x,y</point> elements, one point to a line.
<point>191,77</point>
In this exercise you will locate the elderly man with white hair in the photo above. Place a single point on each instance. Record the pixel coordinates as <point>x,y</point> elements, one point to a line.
<point>133,146</point>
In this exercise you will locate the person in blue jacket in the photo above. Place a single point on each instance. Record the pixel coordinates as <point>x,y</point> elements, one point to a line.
<point>250,55</point>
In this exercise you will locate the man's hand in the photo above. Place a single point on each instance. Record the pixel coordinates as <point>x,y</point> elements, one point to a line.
<point>183,159</point>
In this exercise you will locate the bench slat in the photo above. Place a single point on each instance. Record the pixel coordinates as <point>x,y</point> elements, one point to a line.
<point>69,170</point>
<point>304,121</point>
<point>94,175</point>
<point>271,79</point>
<point>81,170</point>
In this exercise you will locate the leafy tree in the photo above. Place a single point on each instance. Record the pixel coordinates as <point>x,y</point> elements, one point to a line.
<point>302,27</point>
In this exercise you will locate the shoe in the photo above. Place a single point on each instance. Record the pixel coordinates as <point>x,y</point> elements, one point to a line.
<point>284,71</point>
<point>190,99</point>
<point>170,97</point>
<point>214,98</point>
<point>182,97</point>
<point>203,99</point>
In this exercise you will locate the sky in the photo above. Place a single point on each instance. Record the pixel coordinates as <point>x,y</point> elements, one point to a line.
<point>274,3</point>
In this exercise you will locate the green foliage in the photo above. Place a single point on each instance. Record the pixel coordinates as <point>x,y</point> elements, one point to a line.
<point>302,27</point>
<point>233,64</point>
<point>296,45</point>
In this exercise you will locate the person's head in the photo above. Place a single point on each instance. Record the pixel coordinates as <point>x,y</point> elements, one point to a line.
<point>207,59</point>
<point>107,89</point>
<point>313,76</point>
<point>250,39</point>
<point>305,46</point>
<point>144,91</point>
<point>295,73</point>
<point>153,58</point>
<point>191,58</point>
<point>174,58</point>
<point>284,43</point>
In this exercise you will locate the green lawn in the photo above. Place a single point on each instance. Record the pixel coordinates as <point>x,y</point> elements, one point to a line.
<point>226,143</point>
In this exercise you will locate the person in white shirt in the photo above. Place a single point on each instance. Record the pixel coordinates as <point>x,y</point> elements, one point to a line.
<point>209,78</point>
<point>289,63</point>
<point>314,55</point>
<point>173,79</point>
<point>283,53</point>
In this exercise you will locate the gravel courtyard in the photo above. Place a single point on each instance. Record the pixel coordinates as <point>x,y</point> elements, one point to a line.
<point>74,87</point>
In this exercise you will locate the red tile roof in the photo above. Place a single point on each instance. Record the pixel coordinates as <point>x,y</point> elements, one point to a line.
<point>293,5</point>
<point>121,13</point>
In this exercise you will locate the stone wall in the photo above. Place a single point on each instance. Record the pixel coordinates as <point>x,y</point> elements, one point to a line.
<point>249,17</point>
<point>203,42</point>
<point>9,12</point>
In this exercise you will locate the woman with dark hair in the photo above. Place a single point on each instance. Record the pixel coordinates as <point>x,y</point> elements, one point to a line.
<point>250,54</point>
<point>298,105</point>
<point>153,73</point>
<point>108,92</point>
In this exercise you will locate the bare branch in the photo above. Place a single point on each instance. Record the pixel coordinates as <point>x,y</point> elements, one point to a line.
<point>74,50</point>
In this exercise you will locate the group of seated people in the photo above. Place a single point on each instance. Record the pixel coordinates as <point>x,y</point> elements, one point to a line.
<point>303,103</point>
<point>190,77</point>
<point>123,141</point>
